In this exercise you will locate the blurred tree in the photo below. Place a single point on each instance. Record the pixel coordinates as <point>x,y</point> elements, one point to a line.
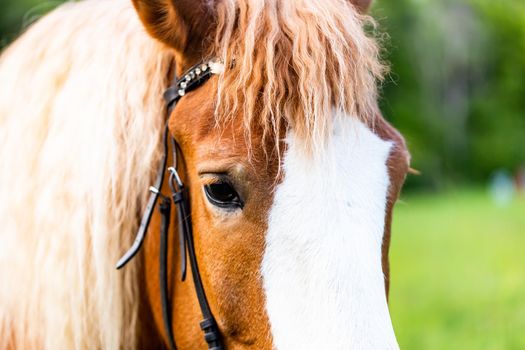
<point>15,15</point>
<point>498,127</point>
<point>458,80</point>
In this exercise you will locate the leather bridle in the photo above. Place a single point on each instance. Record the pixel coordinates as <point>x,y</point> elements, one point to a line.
<point>191,80</point>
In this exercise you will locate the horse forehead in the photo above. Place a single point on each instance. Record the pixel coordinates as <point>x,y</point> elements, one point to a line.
<point>193,117</point>
<point>194,126</point>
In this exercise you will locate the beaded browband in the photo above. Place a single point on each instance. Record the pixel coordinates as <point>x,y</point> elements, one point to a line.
<point>192,79</point>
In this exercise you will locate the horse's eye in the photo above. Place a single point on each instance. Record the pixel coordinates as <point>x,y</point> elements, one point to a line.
<point>223,195</point>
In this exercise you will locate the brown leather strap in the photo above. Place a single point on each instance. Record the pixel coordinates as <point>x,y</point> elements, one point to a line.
<point>192,79</point>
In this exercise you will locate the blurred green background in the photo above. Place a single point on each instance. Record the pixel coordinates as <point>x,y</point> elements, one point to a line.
<point>457,93</point>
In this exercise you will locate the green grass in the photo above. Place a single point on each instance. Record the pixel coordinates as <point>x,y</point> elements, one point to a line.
<point>458,272</point>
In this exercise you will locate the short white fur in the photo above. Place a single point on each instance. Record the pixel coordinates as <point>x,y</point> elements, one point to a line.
<point>321,268</point>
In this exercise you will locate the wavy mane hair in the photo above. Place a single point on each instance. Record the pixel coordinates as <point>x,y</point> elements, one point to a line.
<point>81,117</point>
<point>293,63</point>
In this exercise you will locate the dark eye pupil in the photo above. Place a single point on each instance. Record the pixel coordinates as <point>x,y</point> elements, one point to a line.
<point>222,194</point>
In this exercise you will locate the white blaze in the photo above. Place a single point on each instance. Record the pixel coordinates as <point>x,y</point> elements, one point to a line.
<point>322,265</point>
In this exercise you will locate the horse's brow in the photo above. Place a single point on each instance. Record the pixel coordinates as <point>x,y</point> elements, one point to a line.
<point>232,165</point>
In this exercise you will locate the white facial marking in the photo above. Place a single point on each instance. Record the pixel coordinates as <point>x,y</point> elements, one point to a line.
<point>321,268</point>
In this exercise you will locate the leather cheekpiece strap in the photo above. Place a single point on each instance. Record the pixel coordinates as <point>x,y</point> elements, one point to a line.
<point>192,79</point>
<point>146,217</point>
<point>165,211</point>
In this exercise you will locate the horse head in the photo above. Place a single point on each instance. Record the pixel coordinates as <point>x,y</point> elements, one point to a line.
<point>292,174</point>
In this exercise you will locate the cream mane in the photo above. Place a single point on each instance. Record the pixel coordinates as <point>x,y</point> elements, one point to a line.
<point>80,122</point>
<point>298,60</point>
